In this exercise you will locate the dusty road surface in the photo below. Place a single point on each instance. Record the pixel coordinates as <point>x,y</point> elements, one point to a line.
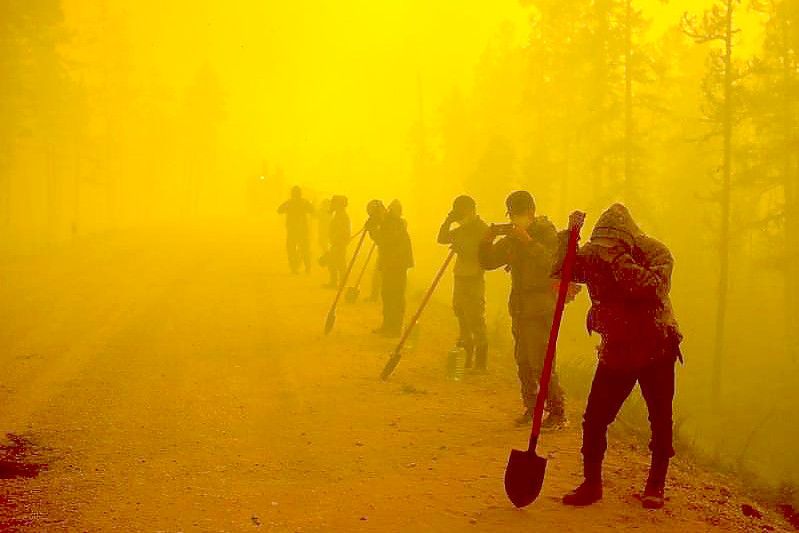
<point>182,383</point>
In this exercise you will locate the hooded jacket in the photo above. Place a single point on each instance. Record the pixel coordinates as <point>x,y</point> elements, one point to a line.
<point>628,275</point>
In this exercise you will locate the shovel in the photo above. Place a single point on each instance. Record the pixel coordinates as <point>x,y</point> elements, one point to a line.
<point>355,291</point>
<point>396,355</point>
<point>524,474</point>
<point>331,315</point>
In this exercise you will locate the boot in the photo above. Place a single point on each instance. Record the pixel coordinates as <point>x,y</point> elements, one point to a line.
<point>555,420</point>
<point>590,490</point>
<point>525,419</point>
<point>654,492</point>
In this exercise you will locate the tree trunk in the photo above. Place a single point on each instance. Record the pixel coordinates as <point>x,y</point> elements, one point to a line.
<point>628,101</point>
<point>724,237</point>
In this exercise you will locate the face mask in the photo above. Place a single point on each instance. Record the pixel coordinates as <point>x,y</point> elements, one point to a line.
<point>522,221</point>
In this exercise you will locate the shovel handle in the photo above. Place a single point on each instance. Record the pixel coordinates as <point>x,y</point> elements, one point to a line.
<point>365,265</point>
<point>422,305</point>
<point>346,274</point>
<point>560,303</point>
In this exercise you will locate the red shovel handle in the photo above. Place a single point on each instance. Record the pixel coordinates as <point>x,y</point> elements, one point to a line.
<point>546,372</point>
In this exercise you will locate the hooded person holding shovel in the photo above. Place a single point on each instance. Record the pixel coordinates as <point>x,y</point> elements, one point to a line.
<point>468,294</point>
<point>628,276</point>
<point>528,250</point>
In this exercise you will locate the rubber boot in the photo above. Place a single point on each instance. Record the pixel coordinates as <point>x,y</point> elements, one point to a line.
<point>590,490</point>
<point>555,420</point>
<point>654,493</point>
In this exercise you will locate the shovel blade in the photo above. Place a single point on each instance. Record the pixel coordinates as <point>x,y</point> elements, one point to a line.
<point>391,364</point>
<point>330,322</point>
<point>524,477</point>
<point>352,295</point>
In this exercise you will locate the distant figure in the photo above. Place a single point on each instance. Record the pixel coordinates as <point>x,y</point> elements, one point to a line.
<point>468,295</point>
<point>628,275</point>
<point>297,209</point>
<point>390,232</point>
<point>340,232</point>
<point>528,250</point>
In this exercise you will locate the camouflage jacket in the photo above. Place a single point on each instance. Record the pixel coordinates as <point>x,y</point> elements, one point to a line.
<point>530,266</point>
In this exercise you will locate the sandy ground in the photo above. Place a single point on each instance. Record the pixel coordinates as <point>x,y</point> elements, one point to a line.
<point>184,384</point>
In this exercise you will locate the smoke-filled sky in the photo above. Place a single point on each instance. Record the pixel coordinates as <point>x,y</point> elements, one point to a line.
<point>328,90</point>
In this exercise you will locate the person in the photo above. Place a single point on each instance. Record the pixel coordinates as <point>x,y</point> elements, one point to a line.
<point>340,232</point>
<point>468,294</point>
<point>528,251</point>
<point>628,275</point>
<point>389,231</point>
<point>297,209</point>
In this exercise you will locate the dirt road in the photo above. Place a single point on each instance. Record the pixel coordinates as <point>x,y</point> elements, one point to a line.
<point>183,384</point>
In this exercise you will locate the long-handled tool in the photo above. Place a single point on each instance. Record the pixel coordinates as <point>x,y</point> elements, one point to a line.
<point>524,474</point>
<point>354,291</point>
<point>396,355</point>
<point>331,315</point>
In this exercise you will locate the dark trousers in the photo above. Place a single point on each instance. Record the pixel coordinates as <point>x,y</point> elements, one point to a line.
<point>531,335</point>
<point>298,248</point>
<point>468,302</point>
<point>609,390</point>
<point>393,284</point>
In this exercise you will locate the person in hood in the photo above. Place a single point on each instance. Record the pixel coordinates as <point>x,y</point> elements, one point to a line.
<point>628,275</point>
<point>389,231</point>
<point>468,294</point>
<point>528,252</point>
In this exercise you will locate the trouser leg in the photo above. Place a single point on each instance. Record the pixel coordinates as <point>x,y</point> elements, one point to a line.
<point>393,291</point>
<point>475,319</point>
<point>460,302</point>
<point>657,387</point>
<point>521,349</point>
<point>538,329</point>
<point>609,389</point>
<point>304,246</point>
<point>291,251</point>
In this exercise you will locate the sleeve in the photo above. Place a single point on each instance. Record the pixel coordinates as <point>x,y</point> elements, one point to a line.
<point>579,270</point>
<point>283,207</point>
<point>493,255</point>
<point>543,248</point>
<point>648,276</point>
<point>445,234</point>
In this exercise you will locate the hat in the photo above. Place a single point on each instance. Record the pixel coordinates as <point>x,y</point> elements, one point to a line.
<point>464,203</point>
<point>519,202</point>
<point>374,206</point>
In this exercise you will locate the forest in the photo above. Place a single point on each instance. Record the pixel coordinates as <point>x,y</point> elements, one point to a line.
<point>119,116</point>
